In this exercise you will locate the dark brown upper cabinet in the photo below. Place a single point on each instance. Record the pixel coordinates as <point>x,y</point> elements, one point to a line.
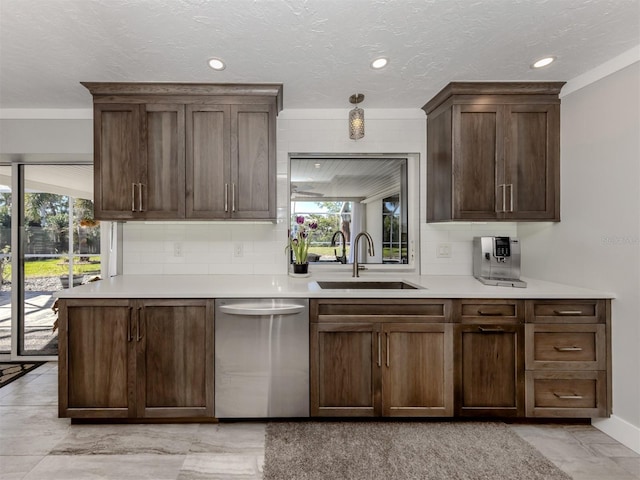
<point>185,151</point>
<point>493,152</point>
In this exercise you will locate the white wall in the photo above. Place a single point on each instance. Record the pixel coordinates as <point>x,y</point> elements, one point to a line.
<point>46,137</point>
<point>597,243</point>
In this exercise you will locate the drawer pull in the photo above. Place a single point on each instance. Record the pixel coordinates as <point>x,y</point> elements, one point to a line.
<point>568,349</point>
<point>567,312</point>
<point>491,330</point>
<point>494,314</point>
<point>568,397</point>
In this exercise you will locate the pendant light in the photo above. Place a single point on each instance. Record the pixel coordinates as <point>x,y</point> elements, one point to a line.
<point>356,117</point>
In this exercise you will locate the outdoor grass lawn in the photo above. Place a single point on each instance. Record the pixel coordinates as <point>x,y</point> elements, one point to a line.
<point>54,267</point>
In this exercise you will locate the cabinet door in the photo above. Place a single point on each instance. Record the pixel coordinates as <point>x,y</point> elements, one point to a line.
<point>208,174</point>
<point>117,151</point>
<point>163,178</point>
<point>417,371</point>
<point>477,161</point>
<point>174,358</point>
<point>345,369</point>
<point>96,359</point>
<point>253,167</point>
<point>532,162</point>
<point>490,370</point>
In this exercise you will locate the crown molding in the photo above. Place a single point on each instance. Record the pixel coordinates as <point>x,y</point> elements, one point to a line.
<point>623,60</point>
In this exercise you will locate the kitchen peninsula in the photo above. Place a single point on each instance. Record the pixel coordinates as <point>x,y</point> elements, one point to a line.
<point>141,348</point>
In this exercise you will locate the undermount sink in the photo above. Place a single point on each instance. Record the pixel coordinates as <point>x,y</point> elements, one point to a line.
<point>368,285</point>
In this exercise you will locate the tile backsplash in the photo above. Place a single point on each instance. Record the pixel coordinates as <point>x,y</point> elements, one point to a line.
<point>221,248</point>
<point>204,248</point>
<point>458,238</point>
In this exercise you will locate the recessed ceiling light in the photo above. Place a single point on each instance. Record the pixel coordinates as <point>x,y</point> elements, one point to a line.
<point>379,63</point>
<point>543,62</point>
<point>217,64</point>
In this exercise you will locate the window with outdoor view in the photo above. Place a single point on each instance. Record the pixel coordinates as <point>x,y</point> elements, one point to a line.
<point>343,196</point>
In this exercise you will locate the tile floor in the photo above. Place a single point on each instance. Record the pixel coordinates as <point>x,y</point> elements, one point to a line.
<point>36,445</point>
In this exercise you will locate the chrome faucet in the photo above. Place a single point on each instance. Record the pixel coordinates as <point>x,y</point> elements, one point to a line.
<point>356,266</point>
<point>343,258</point>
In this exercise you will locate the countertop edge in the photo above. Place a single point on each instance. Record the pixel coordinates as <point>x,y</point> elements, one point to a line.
<point>284,286</point>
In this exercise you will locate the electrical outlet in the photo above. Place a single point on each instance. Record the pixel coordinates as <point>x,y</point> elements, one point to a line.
<point>238,250</point>
<point>443,250</point>
<point>177,249</point>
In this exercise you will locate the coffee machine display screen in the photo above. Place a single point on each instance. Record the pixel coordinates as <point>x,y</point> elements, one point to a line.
<point>501,247</point>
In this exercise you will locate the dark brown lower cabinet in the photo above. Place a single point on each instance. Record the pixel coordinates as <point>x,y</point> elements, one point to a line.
<point>568,358</point>
<point>175,359</point>
<point>490,370</point>
<point>153,358</point>
<point>397,361</point>
<point>417,370</point>
<point>345,377</point>
<point>96,359</point>
<point>136,358</point>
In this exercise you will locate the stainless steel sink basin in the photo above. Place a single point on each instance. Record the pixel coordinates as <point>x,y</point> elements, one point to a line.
<point>368,285</point>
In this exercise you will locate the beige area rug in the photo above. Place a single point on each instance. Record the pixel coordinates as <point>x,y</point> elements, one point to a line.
<point>402,450</point>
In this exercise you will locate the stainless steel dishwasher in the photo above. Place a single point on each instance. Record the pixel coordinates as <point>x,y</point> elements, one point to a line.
<point>261,358</point>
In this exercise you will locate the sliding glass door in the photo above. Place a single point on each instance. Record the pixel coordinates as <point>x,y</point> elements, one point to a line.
<point>55,245</point>
<point>60,243</point>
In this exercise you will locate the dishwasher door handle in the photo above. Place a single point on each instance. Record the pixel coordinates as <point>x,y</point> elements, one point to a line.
<point>258,310</point>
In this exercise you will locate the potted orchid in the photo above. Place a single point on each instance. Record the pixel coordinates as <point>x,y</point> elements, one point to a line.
<point>299,243</point>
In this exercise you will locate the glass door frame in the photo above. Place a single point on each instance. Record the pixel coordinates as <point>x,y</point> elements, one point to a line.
<point>17,256</point>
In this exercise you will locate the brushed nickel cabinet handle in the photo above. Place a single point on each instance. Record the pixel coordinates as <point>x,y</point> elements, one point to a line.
<point>133,197</point>
<point>387,335</point>
<point>495,314</point>
<point>568,349</point>
<point>379,351</point>
<point>233,197</point>
<point>504,198</point>
<point>511,197</point>
<point>491,330</point>
<point>129,326</point>
<point>226,197</point>
<point>140,203</point>
<point>568,397</point>
<point>138,334</point>
<point>567,312</point>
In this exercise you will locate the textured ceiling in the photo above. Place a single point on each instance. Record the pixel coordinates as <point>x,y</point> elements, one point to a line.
<point>319,49</point>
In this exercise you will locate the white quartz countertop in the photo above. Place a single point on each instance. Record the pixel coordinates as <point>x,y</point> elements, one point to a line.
<point>285,286</point>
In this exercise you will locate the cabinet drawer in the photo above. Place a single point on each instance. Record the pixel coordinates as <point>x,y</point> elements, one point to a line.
<point>373,310</point>
<point>566,311</point>
<point>565,347</point>
<point>566,394</point>
<point>496,311</point>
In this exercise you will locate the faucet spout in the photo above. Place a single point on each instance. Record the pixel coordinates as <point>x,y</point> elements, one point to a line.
<point>370,249</point>
<point>343,258</point>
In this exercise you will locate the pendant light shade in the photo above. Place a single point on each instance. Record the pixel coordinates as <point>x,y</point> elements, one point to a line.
<point>356,117</point>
